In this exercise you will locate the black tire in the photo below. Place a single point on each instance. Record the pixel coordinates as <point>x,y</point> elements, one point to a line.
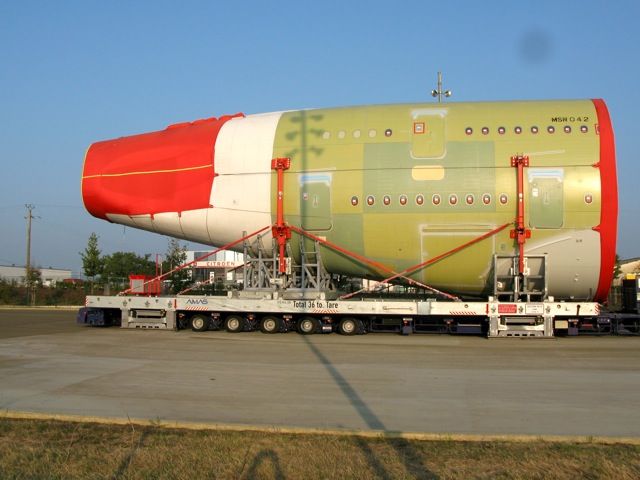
<point>349,326</point>
<point>184,323</point>
<point>308,325</point>
<point>270,324</point>
<point>199,323</point>
<point>234,323</point>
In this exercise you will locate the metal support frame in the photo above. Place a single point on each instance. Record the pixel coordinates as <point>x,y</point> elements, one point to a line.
<point>520,277</point>
<point>260,266</point>
<point>520,233</point>
<point>269,270</point>
<point>312,272</point>
<point>305,279</point>
<point>280,230</point>
<point>511,286</point>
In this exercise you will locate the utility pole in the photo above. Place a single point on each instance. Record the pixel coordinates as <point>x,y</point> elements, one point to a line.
<point>439,92</point>
<point>30,297</point>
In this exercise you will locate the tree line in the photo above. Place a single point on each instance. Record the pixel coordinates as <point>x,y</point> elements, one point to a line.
<point>114,269</point>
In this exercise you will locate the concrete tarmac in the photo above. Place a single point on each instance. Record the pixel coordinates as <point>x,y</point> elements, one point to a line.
<point>435,384</point>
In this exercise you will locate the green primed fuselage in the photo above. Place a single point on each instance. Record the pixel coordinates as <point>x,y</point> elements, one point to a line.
<point>401,184</point>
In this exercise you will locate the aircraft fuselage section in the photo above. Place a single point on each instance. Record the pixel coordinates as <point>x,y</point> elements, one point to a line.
<point>399,184</point>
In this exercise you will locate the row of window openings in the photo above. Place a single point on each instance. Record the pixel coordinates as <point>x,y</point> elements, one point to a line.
<point>436,199</point>
<point>469,131</point>
<point>357,134</point>
<point>534,129</point>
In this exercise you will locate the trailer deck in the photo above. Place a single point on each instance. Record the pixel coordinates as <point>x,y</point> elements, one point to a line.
<point>272,314</point>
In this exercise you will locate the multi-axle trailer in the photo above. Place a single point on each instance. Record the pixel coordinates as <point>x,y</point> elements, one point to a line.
<point>273,314</point>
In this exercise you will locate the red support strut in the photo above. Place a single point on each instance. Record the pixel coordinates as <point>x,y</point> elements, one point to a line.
<point>520,233</point>
<point>281,232</point>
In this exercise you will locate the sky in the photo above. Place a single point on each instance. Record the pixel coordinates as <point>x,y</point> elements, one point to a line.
<point>75,72</point>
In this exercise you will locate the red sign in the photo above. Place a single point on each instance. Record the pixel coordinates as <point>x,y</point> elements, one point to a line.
<point>507,308</point>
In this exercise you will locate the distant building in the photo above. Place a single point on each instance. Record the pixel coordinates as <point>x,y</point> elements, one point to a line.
<point>48,276</point>
<point>222,267</point>
<point>628,266</point>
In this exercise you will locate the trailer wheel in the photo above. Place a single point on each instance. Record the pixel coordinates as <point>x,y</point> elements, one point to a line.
<point>308,325</point>
<point>234,323</point>
<point>183,323</point>
<point>349,326</point>
<point>270,324</point>
<point>199,323</point>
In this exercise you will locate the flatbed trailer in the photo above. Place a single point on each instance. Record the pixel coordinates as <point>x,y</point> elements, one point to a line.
<point>273,313</point>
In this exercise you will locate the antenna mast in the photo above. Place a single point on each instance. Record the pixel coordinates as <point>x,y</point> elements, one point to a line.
<point>439,92</point>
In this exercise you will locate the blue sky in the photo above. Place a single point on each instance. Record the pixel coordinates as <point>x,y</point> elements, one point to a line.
<point>74,72</point>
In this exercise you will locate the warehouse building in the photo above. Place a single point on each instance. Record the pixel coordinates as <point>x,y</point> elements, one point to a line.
<point>48,276</point>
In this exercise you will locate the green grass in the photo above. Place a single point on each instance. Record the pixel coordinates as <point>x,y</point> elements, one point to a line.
<point>33,449</point>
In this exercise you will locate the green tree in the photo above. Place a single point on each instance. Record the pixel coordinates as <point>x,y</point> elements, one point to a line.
<point>92,263</point>
<point>617,270</point>
<point>11,293</point>
<point>176,255</point>
<point>119,265</point>
<point>35,277</point>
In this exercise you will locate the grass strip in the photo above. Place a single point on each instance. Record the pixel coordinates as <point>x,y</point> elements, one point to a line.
<point>32,448</point>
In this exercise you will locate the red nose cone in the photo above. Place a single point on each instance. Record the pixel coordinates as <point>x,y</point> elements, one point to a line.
<point>167,171</point>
